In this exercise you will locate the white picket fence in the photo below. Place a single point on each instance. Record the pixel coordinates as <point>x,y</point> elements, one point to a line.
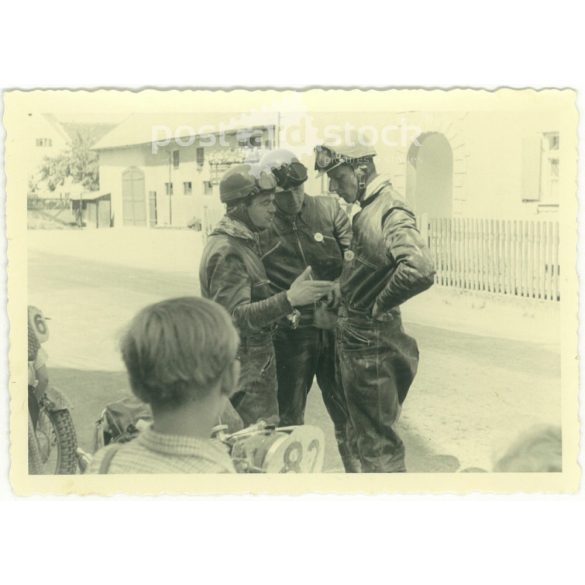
<point>508,257</point>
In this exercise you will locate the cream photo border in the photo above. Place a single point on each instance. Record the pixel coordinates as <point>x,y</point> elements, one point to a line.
<point>18,103</point>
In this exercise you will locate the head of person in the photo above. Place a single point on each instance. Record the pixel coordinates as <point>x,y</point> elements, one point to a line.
<point>248,192</point>
<point>290,175</point>
<point>349,167</point>
<point>538,449</point>
<point>182,352</point>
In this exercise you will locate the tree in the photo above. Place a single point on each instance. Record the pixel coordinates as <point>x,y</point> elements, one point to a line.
<point>78,162</point>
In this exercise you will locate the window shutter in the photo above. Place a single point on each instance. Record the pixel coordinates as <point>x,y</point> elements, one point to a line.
<point>531,167</point>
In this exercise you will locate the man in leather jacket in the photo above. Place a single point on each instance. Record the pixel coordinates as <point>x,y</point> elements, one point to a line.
<point>387,264</point>
<point>306,231</point>
<point>231,273</point>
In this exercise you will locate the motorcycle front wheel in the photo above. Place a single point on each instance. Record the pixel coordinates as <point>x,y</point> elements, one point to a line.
<point>54,444</point>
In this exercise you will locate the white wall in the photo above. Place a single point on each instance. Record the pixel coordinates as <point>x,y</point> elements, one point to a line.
<point>487,147</point>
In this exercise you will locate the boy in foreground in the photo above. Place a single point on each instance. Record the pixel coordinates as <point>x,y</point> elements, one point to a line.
<point>180,355</point>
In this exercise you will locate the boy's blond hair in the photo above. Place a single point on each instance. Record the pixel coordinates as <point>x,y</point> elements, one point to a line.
<point>176,350</point>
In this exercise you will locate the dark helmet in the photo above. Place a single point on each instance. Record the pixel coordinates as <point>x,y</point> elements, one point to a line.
<point>243,181</point>
<point>330,157</point>
<point>287,169</point>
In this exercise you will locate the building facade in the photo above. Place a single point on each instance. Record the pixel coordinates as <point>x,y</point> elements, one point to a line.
<point>488,164</point>
<point>462,164</point>
<point>174,181</point>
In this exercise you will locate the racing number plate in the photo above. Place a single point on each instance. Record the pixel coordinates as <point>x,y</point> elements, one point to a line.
<point>299,450</point>
<point>38,323</point>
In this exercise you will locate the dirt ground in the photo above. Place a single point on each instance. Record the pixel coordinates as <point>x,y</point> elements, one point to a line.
<point>477,387</point>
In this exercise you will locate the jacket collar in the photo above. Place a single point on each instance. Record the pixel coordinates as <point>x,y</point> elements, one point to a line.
<point>236,229</point>
<point>374,187</point>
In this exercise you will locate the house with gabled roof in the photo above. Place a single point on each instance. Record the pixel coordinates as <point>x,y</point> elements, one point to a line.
<point>164,170</point>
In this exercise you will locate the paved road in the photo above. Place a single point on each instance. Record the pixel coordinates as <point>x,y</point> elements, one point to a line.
<point>472,394</point>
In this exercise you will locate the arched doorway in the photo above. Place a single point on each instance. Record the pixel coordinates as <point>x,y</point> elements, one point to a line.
<point>429,179</point>
<point>133,197</point>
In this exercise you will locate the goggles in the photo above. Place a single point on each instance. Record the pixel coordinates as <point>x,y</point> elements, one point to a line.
<point>265,182</point>
<point>326,159</point>
<point>290,175</point>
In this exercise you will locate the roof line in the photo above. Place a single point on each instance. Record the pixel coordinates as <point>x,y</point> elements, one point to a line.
<point>182,136</point>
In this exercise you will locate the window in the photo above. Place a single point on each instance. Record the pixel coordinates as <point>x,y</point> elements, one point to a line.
<point>200,156</point>
<point>187,188</point>
<point>552,140</point>
<point>550,168</point>
<point>44,142</point>
<point>554,169</point>
<point>540,168</point>
<point>249,138</point>
<point>207,188</point>
<point>176,158</point>
<point>169,188</point>
<point>551,183</point>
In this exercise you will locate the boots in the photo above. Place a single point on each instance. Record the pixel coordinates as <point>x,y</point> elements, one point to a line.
<point>349,456</point>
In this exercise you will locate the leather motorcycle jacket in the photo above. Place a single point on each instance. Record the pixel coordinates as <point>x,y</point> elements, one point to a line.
<point>316,236</point>
<point>388,262</point>
<point>232,274</point>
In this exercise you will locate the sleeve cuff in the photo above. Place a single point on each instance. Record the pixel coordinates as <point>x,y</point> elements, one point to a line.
<point>285,303</point>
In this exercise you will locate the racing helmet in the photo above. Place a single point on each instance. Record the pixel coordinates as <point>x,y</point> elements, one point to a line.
<point>353,153</point>
<point>287,169</point>
<point>244,181</point>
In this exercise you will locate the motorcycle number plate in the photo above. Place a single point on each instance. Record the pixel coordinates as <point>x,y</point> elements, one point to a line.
<point>39,324</point>
<point>300,450</point>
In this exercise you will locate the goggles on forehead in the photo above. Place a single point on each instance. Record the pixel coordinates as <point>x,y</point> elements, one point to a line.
<point>265,182</point>
<point>290,175</point>
<point>326,159</point>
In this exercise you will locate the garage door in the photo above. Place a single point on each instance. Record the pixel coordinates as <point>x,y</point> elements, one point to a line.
<point>133,196</point>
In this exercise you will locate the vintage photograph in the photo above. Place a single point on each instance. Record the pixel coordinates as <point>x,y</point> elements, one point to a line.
<point>303,291</point>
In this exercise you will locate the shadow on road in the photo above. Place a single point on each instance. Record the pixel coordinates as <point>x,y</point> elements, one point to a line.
<point>420,457</point>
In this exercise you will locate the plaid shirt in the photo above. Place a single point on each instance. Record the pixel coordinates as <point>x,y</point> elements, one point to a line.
<point>153,452</point>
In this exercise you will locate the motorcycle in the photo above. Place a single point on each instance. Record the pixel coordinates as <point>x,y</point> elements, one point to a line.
<point>259,448</point>
<point>52,440</point>
<point>263,448</point>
